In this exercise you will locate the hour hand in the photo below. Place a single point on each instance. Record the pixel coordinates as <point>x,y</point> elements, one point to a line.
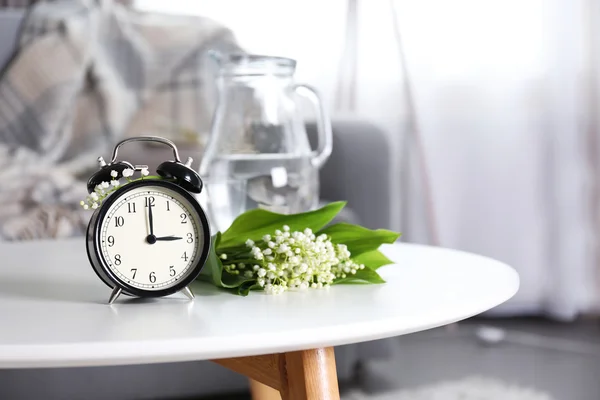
<point>168,238</point>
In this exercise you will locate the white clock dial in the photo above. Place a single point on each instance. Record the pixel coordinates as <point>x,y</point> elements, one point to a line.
<point>151,249</point>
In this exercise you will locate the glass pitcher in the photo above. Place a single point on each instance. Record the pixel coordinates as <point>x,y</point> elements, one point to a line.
<point>258,154</point>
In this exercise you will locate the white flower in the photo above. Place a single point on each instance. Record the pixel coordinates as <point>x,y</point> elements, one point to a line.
<point>114,173</point>
<point>94,205</point>
<point>144,171</point>
<point>85,206</point>
<point>115,183</point>
<point>104,185</point>
<point>81,203</point>
<point>223,256</point>
<point>94,196</point>
<point>298,260</point>
<point>274,289</point>
<point>127,172</point>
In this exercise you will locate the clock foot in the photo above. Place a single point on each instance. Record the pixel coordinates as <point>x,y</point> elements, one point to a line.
<point>186,290</point>
<point>114,295</point>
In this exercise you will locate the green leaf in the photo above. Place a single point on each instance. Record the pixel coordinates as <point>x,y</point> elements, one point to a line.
<point>233,281</point>
<point>372,259</point>
<point>365,275</point>
<point>244,289</point>
<point>254,224</point>
<point>359,239</point>
<point>213,269</point>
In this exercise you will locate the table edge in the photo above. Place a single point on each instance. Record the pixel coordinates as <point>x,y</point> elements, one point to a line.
<point>178,350</point>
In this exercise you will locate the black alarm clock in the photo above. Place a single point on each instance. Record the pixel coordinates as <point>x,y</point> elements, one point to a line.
<point>150,237</point>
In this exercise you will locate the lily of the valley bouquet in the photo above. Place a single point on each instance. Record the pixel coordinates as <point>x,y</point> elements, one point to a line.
<point>273,252</point>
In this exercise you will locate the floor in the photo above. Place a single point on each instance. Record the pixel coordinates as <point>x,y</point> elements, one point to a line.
<point>561,359</point>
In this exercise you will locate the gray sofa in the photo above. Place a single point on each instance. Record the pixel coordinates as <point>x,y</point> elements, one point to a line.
<point>358,171</point>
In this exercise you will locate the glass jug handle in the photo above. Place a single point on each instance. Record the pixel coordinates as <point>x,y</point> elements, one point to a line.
<point>323,125</point>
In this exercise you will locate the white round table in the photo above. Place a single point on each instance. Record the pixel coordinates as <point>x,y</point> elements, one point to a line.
<point>53,313</point>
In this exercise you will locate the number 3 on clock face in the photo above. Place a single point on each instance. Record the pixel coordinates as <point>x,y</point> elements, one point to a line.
<point>152,239</point>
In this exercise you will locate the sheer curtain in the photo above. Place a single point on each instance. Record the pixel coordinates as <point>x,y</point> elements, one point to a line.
<point>491,106</point>
<point>503,105</point>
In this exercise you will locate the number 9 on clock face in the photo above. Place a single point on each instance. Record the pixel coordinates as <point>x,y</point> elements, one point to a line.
<point>150,238</point>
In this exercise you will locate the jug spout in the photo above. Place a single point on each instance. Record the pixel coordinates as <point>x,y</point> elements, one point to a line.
<point>239,63</point>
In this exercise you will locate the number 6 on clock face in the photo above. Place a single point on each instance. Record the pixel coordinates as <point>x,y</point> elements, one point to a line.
<point>151,238</point>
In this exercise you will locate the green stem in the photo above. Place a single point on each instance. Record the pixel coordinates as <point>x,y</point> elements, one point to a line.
<point>240,260</point>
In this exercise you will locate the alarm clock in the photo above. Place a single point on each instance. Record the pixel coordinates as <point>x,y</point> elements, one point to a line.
<point>150,237</point>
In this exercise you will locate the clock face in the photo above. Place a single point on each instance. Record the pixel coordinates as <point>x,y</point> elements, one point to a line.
<point>151,237</point>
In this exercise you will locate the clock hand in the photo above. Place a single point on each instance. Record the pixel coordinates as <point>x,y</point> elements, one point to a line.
<point>168,238</point>
<point>150,239</point>
<point>150,219</point>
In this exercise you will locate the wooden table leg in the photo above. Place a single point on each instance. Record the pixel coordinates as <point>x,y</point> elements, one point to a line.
<point>260,391</point>
<point>298,375</point>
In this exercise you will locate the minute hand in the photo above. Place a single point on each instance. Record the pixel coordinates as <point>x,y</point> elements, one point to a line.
<point>150,219</point>
<point>168,238</point>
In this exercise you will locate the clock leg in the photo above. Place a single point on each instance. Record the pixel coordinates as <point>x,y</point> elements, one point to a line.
<point>186,290</point>
<point>114,295</point>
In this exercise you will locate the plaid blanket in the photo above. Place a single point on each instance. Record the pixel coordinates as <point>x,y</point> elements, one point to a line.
<point>86,73</point>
